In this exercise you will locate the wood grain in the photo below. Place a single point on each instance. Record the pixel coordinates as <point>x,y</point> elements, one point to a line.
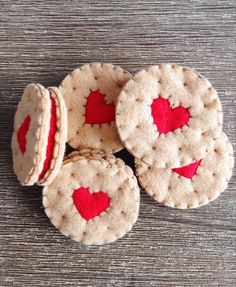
<point>41,41</point>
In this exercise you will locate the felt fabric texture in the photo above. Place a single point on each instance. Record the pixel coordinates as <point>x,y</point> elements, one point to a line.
<point>92,154</point>
<point>80,90</point>
<point>176,190</point>
<point>51,139</point>
<point>36,104</point>
<point>181,87</point>
<point>97,111</point>
<point>188,171</point>
<point>60,137</point>
<point>96,173</point>
<point>90,205</point>
<point>22,132</point>
<point>167,119</point>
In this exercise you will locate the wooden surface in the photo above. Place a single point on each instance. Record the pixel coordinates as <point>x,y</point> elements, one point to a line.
<point>41,41</point>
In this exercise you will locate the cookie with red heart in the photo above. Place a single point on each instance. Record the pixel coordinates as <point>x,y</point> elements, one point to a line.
<point>168,116</point>
<point>40,133</point>
<point>90,93</point>
<point>94,199</point>
<point>192,185</point>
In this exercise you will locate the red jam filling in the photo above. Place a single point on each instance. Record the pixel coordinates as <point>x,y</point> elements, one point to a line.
<point>97,111</point>
<point>51,139</point>
<point>167,119</point>
<point>22,132</point>
<point>188,171</point>
<point>90,205</point>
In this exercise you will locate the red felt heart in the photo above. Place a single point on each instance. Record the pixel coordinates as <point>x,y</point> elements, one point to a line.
<point>167,119</point>
<point>97,111</point>
<point>89,204</point>
<point>22,132</point>
<point>188,171</point>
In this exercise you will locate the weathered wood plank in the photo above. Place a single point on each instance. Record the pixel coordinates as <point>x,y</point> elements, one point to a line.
<point>41,41</point>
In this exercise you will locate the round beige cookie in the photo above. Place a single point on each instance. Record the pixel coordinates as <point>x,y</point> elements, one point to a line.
<point>40,132</point>
<point>193,185</point>
<point>94,200</point>
<point>90,93</point>
<point>168,115</point>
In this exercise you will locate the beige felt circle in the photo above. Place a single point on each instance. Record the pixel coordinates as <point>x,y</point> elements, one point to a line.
<point>173,190</point>
<point>182,87</point>
<point>60,137</point>
<point>35,103</point>
<point>98,174</point>
<point>76,87</point>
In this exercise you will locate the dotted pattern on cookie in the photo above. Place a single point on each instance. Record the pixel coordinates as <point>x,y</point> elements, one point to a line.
<point>182,87</point>
<point>36,102</point>
<point>174,190</point>
<point>99,174</point>
<point>75,88</point>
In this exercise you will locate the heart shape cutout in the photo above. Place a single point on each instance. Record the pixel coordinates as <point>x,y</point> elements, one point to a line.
<point>89,204</point>
<point>22,132</point>
<point>188,171</point>
<point>97,111</point>
<point>166,118</point>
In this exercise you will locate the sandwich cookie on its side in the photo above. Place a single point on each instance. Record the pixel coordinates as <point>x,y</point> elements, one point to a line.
<point>193,185</point>
<point>94,199</point>
<point>40,133</point>
<point>90,93</point>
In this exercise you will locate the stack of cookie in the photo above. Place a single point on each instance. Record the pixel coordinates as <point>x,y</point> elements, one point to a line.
<point>170,118</point>
<point>167,116</point>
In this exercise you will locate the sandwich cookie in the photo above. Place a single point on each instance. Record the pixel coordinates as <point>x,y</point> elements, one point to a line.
<point>90,93</point>
<point>40,133</point>
<point>168,116</point>
<point>94,199</point>
<point>193,185</point>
